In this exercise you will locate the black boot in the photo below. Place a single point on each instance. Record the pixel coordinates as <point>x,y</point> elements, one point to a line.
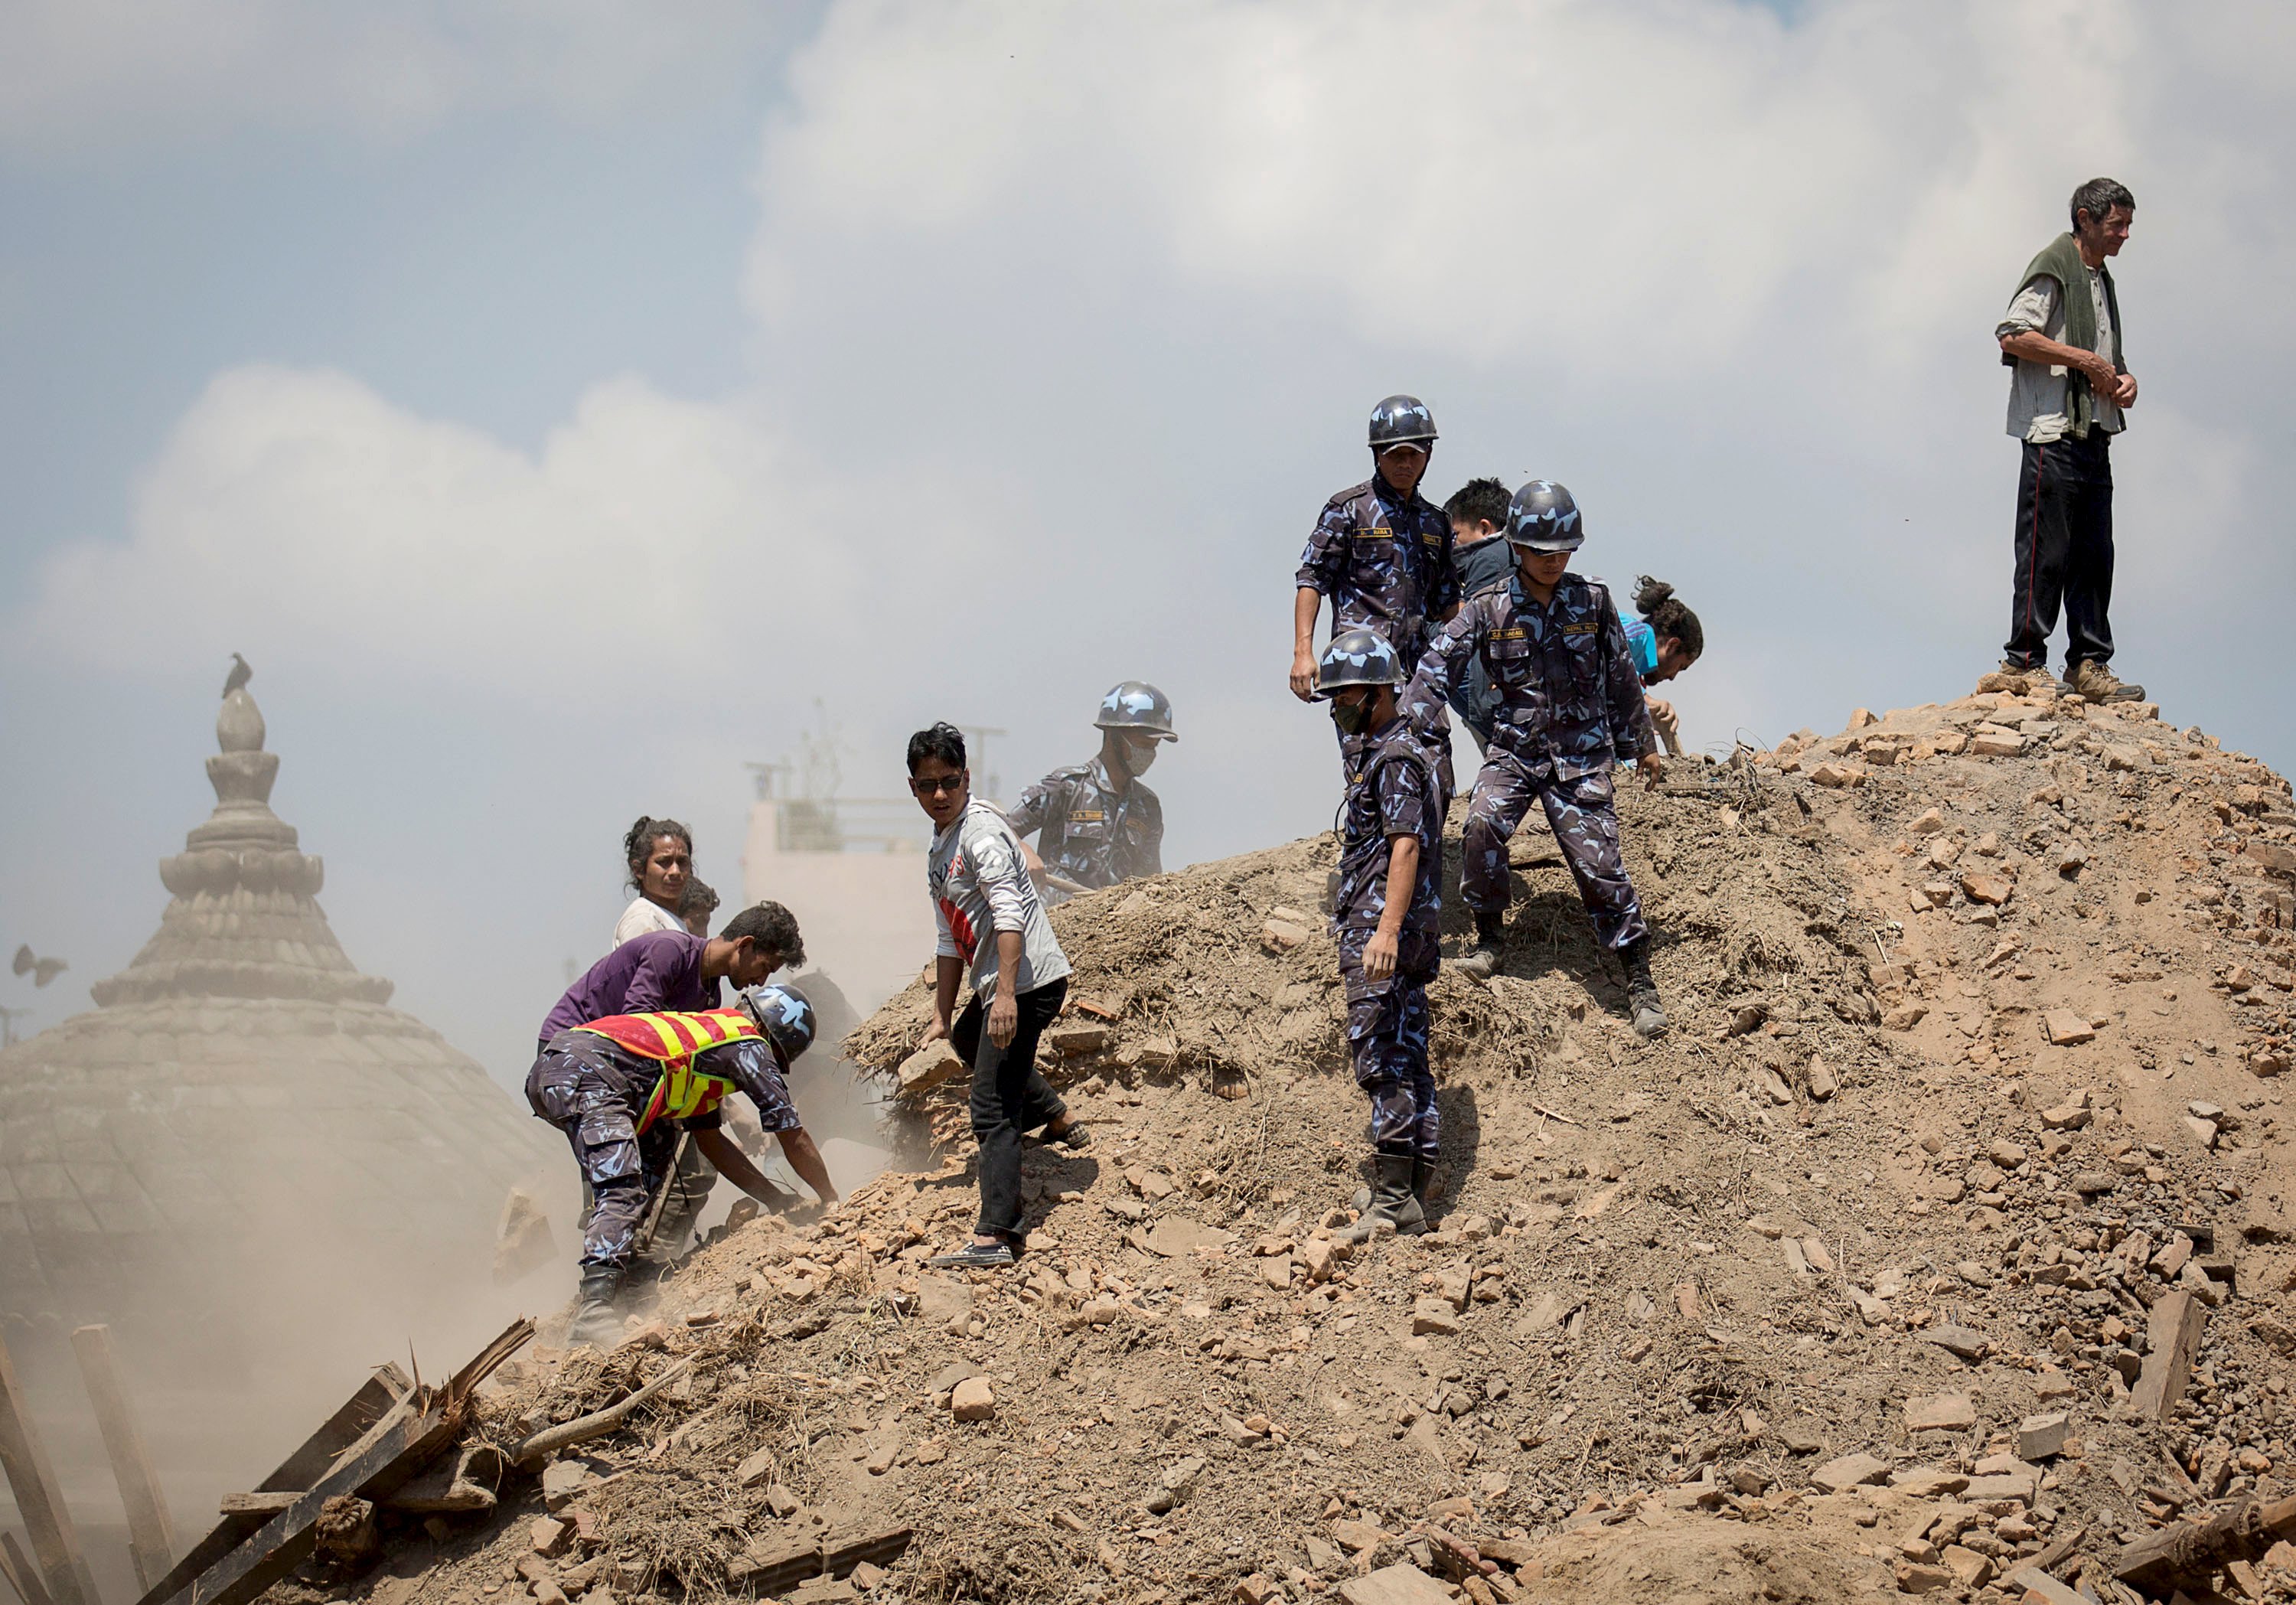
<point>1481,960</point>
<point>1394,1208</point>
<point>1642,992</point>
<point>598,1308</point>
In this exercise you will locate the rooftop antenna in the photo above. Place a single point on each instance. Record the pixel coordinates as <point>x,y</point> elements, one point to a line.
<point>976,745</point>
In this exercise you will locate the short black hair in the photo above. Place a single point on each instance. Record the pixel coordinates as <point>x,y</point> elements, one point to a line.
<point>944,741</point>
<point>637,844</point>
<point>697,899</point>
<point>1480,502</point>
<point>768,925</point>
<point>2098,197</point>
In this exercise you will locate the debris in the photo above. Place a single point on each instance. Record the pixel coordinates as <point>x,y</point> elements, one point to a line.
<point>2066,1029</point>
<point>1398,1585</point>
<point>973,1400</point>
<point>2184,1555</point>
<point>2043,1436</point>
<point>150,1532</point>
<point>55,1545</point>
<point>2172,1335</point>
<point>1849,1472</point>
<point>598,1423</point>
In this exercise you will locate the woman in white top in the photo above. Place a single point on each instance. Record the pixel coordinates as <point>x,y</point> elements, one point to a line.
<point>660,857</point>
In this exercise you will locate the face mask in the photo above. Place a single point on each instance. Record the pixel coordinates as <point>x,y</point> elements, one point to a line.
<point>1139,754</point>
<point>1353,718</point>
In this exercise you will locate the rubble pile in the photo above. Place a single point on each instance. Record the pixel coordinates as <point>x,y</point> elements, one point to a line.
<point>1942,1247</point>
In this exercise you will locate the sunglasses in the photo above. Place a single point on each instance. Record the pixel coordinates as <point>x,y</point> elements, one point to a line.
<point>950,783</point>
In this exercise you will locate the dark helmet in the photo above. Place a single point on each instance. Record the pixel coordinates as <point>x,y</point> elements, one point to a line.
<point>1356,657</point>
<point>1401,419</point>
<point>1543,517</point>
<point>1136,705</point>
<point>785,1016</point>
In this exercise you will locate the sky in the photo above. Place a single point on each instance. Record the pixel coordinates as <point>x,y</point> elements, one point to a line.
<point>561,406</point>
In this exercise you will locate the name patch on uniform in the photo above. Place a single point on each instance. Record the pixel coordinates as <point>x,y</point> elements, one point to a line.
<point>1381,534</point>
<point>1588,628</point>
<point>1086,816</point>
<point>1514,634</point>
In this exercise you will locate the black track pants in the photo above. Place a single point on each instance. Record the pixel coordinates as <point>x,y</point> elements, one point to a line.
<point>2064,552</point>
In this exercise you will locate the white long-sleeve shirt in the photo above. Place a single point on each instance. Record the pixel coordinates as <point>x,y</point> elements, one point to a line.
<point>979,886</point>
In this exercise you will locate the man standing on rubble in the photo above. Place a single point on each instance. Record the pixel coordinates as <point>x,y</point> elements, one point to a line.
<point>1096,823</point>
<point>992,921</point>
<point>1385,916</point>
<point>1383,553</point>
<point>623,1086</point>
<point>1568,703</point>
<point>2068,397</point>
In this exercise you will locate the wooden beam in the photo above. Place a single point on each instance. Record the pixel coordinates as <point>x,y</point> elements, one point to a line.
<point>63,1569</point>
<point>19,1574</point>
<point>150,1532</point>
<point>2189,1551</point>
<point>2172,1334</point>
<point>413,1431</point>
<point>298,1472</point>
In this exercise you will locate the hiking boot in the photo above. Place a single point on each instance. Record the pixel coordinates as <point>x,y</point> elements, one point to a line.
<point>1642,992</point>
<point>2092,682</point>
<point>2035,681</point>
<point>1423,1181</point>
<point>1481,959</point>
<point>1394,1208</point>
<point>597,1309</point>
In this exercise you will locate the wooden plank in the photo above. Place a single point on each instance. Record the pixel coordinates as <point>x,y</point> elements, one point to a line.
<point>298,1472</point>
<point>386,1457</point>
<point>2172,1334</point>
<point>63,1569</point>
<point>150,1531</point>
<point>18,1569</point>
<point>411,1434</point>
<point>2189,1551</point>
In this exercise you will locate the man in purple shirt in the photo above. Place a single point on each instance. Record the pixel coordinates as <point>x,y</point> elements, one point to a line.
<point>669,970</point>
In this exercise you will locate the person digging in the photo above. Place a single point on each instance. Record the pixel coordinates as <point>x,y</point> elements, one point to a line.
<point>623,1086</point>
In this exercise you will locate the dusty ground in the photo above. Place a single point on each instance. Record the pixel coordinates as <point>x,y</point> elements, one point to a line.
<point>1679,1286</point>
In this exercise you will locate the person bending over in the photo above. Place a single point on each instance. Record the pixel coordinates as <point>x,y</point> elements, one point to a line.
<point>1664,641</point>
<point>622,1088</point>
<point>991,920</point>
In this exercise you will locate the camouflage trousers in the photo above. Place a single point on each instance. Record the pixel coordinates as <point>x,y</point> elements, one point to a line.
<point>581,1094</point>
<point>1388,1026</point>
<point>1585,817</point>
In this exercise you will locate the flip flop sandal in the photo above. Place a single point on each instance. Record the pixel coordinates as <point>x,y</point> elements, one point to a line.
<point>980,1256</point>
<point>1076,1139</point>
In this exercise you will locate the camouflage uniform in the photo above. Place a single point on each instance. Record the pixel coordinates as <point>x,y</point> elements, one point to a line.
<point>1391,792</point>
<point>1569,704</point>
<point>1384,564</point>
<point>596,1093</point>
<point>1090,829</point>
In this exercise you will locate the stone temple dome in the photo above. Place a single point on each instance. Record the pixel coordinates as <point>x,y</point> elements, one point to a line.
<point>243,1138</point>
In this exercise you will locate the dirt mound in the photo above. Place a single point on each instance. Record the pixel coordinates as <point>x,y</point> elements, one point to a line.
<point>1943,1236</point>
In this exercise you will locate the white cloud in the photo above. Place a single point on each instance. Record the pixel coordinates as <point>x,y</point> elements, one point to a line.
<point>1067,316</point>
<point>81,74</point>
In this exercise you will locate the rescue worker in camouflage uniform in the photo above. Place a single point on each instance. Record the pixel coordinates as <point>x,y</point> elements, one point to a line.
<point>623,1086</point>
<point>1382,554</point>
<point>1384,916</point>
<point>1570,702</point>
<point>1095,822</point>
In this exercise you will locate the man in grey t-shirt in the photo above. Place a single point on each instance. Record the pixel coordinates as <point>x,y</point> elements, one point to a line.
<point>2067,396</point>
